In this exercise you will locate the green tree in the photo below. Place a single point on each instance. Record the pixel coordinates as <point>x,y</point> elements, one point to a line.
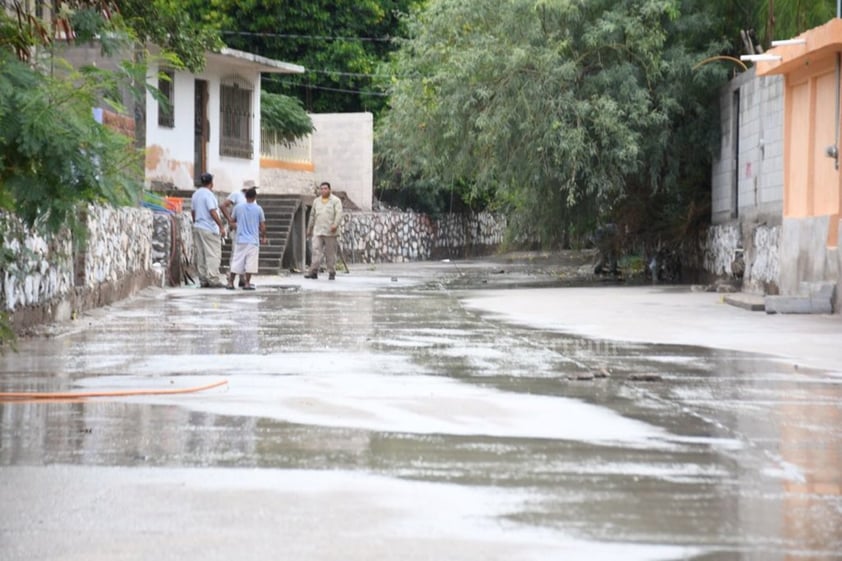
<point>113,23</point>
<point>285,116</point>
<point>785,19</point>
<point>339,42</point>
<point>167,24</point>
<point>556,112</point>
<point>53,154</point>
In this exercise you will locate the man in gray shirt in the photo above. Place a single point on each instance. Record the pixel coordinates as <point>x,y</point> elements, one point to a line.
<point>208,230</point>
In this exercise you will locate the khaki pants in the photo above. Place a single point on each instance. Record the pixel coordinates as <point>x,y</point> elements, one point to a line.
<point>207,252</point>
<point>323,246</point>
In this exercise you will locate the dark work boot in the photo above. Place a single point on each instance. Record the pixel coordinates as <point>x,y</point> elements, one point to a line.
<point>331,276</point>
<point>311,276</point>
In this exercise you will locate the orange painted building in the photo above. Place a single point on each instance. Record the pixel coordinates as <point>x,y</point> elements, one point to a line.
<point>812,198</point>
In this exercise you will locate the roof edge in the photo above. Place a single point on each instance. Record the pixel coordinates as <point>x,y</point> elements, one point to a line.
<point>817,41</point>
<point>261,63</point>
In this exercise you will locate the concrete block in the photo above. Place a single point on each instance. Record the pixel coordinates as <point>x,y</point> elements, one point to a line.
<point>787,305</point>
<point>820,306</point>
<point>821,296</point>
<point>813,298</point>
<point>818,290</point>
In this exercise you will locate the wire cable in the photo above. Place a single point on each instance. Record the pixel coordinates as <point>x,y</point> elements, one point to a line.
<point>313,37</point>
<point>325,88</point>
<point>351,74</point>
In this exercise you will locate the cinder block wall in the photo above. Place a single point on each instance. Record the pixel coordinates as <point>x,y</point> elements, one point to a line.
<point>747,182</point>
<point>751,151</point>
<point>342,154</point>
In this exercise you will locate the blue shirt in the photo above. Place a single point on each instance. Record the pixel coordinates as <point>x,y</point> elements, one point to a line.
<point>249,217</point>
<point>203,202</point>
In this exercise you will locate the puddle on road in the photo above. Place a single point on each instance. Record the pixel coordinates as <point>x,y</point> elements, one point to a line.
<point>410,404</point>
<point>724,453</point>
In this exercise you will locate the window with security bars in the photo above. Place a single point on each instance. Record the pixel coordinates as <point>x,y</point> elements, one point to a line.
<point>235,118</point>
<point>166,103</point>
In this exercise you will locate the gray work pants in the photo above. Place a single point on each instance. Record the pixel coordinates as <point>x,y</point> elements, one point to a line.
<point>323,246</point>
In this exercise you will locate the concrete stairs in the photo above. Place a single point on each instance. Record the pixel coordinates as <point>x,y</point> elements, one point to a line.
<point>280,211</point>
<point>280,214</point>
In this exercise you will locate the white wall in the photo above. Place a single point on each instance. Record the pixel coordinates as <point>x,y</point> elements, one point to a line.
<point>342,154</point>
<point>170,151</point>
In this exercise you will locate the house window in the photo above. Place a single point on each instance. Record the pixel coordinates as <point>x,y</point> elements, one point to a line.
<point>166,103</point>
<point>235,118</point>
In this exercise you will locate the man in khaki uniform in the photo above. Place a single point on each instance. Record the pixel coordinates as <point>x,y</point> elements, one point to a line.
<point>323,228</point>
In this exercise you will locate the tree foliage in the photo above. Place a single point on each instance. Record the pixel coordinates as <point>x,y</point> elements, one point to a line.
<point>339,42</point>
<point>167,24</point>
<point>284,115</point>
<point>53,154</point>
<point>785,19</point>
<point>556,111</point>
<point>164,23</point>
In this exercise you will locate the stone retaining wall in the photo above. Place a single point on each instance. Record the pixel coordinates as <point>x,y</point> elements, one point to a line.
<point>43,279</point>
<point>760,253</point>
<point>36,268</point>
<point>127,249</point>
<point>464,235</point>
<point>398,237</point>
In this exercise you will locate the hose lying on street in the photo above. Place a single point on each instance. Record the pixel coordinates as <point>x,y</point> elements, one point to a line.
<point>6,396</point>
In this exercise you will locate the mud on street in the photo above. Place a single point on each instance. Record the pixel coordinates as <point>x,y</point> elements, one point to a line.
<point>448,411</point>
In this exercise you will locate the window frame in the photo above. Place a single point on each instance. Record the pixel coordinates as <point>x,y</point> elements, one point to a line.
<point>236,114</point>
<point>166,88</point>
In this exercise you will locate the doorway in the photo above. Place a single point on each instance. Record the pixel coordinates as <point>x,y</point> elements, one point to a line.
<point>735,145</point>
<point>201,129</point>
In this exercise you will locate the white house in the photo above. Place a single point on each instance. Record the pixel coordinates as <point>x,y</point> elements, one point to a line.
<point>212,121</point>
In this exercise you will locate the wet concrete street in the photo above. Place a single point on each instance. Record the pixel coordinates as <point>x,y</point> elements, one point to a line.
<point>470,411</point>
